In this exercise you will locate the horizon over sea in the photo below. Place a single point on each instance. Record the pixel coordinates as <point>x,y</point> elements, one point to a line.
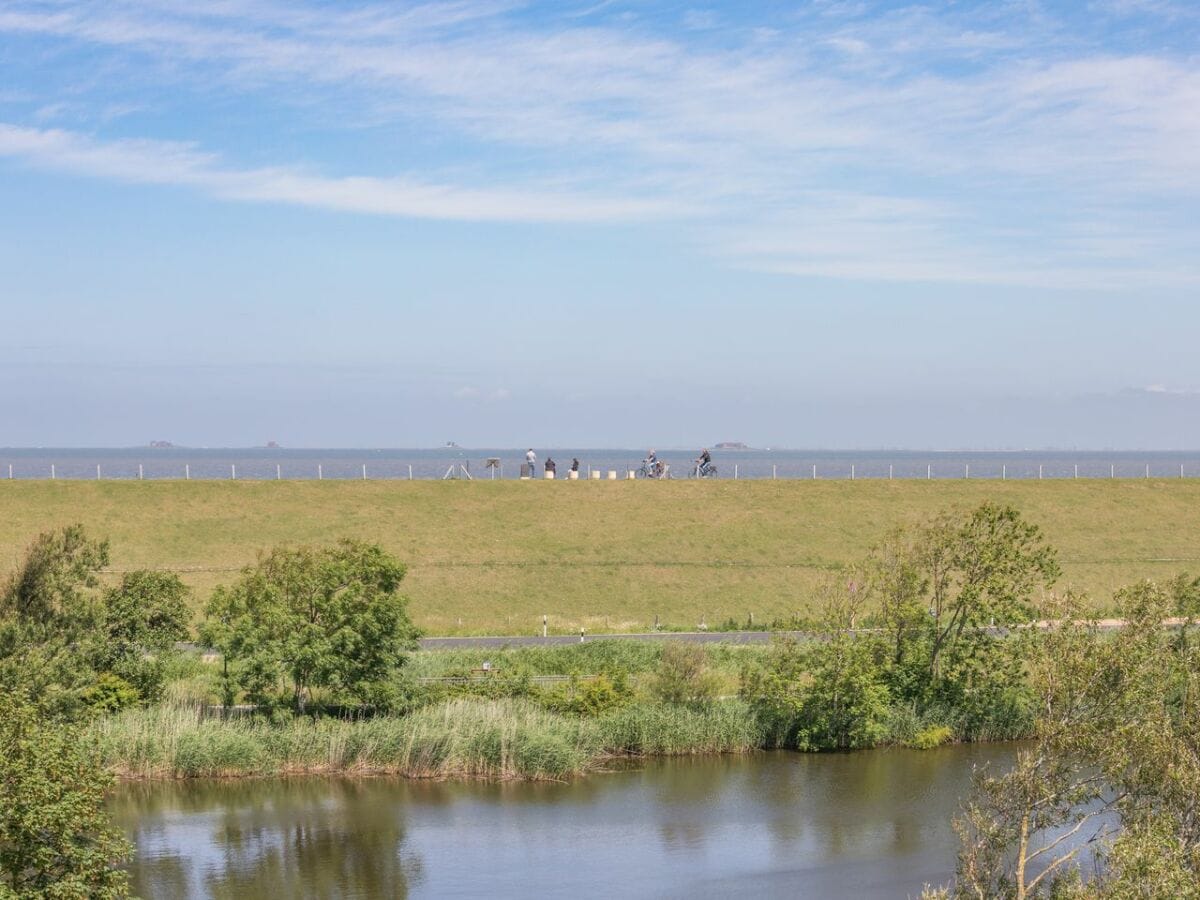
<point>265,463</point>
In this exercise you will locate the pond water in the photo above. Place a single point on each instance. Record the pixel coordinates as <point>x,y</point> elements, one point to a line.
<point>862,825</point>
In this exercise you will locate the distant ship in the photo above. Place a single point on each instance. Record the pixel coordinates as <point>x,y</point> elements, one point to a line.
<point>731,445</point>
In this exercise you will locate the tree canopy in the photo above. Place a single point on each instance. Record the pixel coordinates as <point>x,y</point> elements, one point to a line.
<point>308,618</point>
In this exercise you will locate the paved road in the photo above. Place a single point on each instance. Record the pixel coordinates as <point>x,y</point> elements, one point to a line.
<point>691,637</point>
<point>558,640</point>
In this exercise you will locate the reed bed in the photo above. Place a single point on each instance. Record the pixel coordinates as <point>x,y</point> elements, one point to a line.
<point>459,738</point>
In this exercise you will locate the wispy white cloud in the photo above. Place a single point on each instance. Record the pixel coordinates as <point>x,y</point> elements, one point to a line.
<point>167,163</point>
<point>912,143</point>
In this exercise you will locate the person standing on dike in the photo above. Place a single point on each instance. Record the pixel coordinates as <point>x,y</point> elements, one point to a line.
<point>531,461</point>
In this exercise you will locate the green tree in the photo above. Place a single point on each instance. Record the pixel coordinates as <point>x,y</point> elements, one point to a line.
<point>49,608</point>
<point>313,618</point>
<point>55,839</point>
<point>1115,735</point>
<point>829,693</point>
<point>941,586</point>
<point>53,587</point>
<point>140,620</point>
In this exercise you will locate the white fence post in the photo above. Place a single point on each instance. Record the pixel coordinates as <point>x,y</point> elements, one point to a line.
<point>1076,470</point>
<point>232,472</point>
<point>1147,470</point>
<point>320,474</point>
<point>929,472</point>
<point>10,471</point>
<point>814,471</point>
<point>1039,471</point>
<point>187,472</point>
<point>141,474</point>
<point>278,472</point>
<point>364,471</point>
<point>773,471</point>
<point>51,471</point>
<point>889,473</point>
<point>1004,473</point>
<point>410,471</point>
<point>1112,470</point>
<point>735,471</point>
<point>97,471</point>
<point>851,471</point>
<point>966,470</point>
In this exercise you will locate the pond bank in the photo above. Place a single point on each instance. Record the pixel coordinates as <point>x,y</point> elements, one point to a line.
<point>466,738</point>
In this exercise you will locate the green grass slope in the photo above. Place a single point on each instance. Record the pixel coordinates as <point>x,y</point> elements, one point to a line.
<point>492,557</point>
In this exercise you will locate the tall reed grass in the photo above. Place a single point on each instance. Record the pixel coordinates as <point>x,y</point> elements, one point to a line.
<point>459,738</point>
<point>462,738</point>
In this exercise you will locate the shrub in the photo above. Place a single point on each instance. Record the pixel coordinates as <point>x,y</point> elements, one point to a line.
<point>110,694</point>
<point>931,736</point>
<point>683,676</point>
<point>594,697</point>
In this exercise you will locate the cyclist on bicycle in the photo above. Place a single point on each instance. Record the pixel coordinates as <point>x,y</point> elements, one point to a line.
<point>704,462</point>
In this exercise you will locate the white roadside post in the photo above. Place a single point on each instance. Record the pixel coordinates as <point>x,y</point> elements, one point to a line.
<point>187,472</point>
<point>232,472</point>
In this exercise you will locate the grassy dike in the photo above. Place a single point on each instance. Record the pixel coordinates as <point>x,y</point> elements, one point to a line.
<point>493,557</point>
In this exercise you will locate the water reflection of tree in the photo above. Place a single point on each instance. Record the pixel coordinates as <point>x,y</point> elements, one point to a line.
<point>297,838</point>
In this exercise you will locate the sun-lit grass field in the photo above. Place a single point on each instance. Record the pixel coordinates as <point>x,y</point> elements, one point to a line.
<point>493,557</point>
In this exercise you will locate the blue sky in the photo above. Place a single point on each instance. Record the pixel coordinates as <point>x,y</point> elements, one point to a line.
<point>394,224</point>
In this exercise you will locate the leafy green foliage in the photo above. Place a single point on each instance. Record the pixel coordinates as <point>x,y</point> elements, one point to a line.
<point>310,618</point>
<point>683,675</point>
<point>140,621</point>
<point>55,838</point>
<point>70,646</point>
<point>1117,734</point>
<point>590,698</point>
<point>931,736</point>
<point>824,695</point>
<point>48,608</point>
<point>111,693</point>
